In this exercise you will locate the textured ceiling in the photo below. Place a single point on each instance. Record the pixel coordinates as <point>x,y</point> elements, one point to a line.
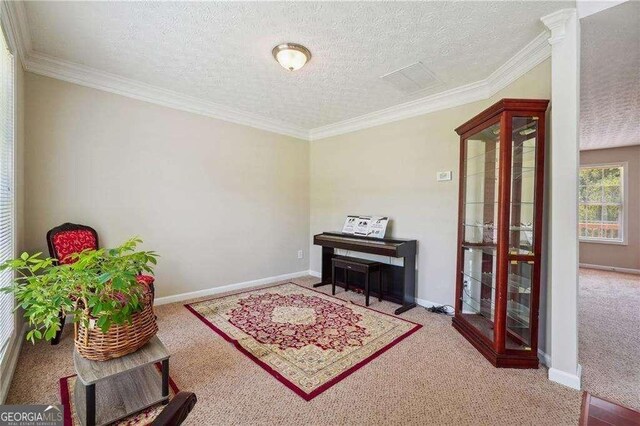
<point>610,78</point>
<point>221,52</point>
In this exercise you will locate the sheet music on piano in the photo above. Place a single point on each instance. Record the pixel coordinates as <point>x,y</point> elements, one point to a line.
<point>350,225</point>
<point>366,226</point>
<point>378,226</point>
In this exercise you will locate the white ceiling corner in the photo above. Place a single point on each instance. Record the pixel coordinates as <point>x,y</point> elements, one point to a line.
<point>610,77</point>
<point>73,42</point>
<point>591,7</point>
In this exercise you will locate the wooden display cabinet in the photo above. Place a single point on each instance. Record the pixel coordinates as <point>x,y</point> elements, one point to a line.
<point>500,231</point>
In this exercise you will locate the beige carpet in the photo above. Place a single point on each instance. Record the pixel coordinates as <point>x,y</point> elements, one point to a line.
<point>432,377</point>
<point>609,328</point>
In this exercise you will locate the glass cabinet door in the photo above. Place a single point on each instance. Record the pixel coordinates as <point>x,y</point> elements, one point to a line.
<point>479,289</point>
<point>519,305</point>
<point>481,171</point>
<point>480,232</point>
<point>521,232</point>
<point>523,176</point>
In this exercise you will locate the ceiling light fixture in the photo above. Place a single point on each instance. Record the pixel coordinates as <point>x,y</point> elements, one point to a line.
<point>291,56</point>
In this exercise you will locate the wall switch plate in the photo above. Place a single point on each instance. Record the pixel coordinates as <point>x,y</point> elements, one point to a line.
<point>300,254</point>
<point>443,176</point>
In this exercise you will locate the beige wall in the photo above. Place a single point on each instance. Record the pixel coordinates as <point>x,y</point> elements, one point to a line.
<point>391,170</point>
<point>221,203</point>
<point>612,255</point>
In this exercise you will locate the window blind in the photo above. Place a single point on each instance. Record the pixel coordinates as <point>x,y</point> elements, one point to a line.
<point>7,317</point>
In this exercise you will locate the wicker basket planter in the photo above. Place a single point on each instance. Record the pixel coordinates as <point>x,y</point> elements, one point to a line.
<point>120,339</point>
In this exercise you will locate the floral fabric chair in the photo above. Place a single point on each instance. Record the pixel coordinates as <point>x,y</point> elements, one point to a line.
<point>70,238</point>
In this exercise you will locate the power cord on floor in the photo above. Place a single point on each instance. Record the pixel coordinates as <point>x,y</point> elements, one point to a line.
<point>443,309</point>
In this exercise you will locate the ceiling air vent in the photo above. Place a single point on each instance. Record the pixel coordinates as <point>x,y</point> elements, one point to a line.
<point>413,78</point>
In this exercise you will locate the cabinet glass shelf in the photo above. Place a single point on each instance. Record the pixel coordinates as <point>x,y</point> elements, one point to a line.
<point>524,173</point>
<point>490,248</point>
<point>523,203</point>
<point>517,315</point>
<point>491,153</point>
<point>515,283</point>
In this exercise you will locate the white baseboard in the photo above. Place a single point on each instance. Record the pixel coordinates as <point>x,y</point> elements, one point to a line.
<point>12,362</point>
<point>544,358</point>
<point>567,379</point>
<point>230,287</point>
<point>610,268</point>
<point>315,274</point>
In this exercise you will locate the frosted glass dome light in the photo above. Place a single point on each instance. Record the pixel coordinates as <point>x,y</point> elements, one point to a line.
<point>291,56</point>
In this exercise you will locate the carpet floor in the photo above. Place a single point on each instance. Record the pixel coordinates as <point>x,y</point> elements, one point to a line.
<point>609,324</point>
<point>432,377</point>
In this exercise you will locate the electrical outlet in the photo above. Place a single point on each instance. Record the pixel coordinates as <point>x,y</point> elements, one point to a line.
<point>300,254</point>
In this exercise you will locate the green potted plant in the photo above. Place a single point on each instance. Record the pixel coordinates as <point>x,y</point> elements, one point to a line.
<point>112,312</point>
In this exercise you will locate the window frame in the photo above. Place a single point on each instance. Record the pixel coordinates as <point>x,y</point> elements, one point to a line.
<point>6,32</point>
<point>622,241</point>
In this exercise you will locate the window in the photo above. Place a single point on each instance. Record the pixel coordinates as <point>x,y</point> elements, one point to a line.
<point>601,203</point>
<point>7,316</point>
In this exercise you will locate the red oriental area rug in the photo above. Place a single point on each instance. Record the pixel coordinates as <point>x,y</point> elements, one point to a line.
<point>306,339</point>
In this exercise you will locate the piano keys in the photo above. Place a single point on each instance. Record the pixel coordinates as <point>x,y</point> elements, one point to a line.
<point>399,282</point>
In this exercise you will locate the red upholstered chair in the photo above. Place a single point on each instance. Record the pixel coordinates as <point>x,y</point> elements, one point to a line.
<point>69,238</point>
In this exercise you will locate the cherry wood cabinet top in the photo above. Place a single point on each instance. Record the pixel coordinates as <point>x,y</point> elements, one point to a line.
<point>507,104</point>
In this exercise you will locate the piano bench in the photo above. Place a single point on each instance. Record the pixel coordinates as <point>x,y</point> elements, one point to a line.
<point>354,264</point>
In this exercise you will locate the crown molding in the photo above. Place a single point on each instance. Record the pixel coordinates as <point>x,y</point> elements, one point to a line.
<point>531,55</point>
<point>14,20</point>
<point>49,66</point>
<point>557,22</point>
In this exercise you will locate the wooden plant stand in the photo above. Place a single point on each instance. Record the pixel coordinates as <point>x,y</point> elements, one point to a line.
<point>107,391</point>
